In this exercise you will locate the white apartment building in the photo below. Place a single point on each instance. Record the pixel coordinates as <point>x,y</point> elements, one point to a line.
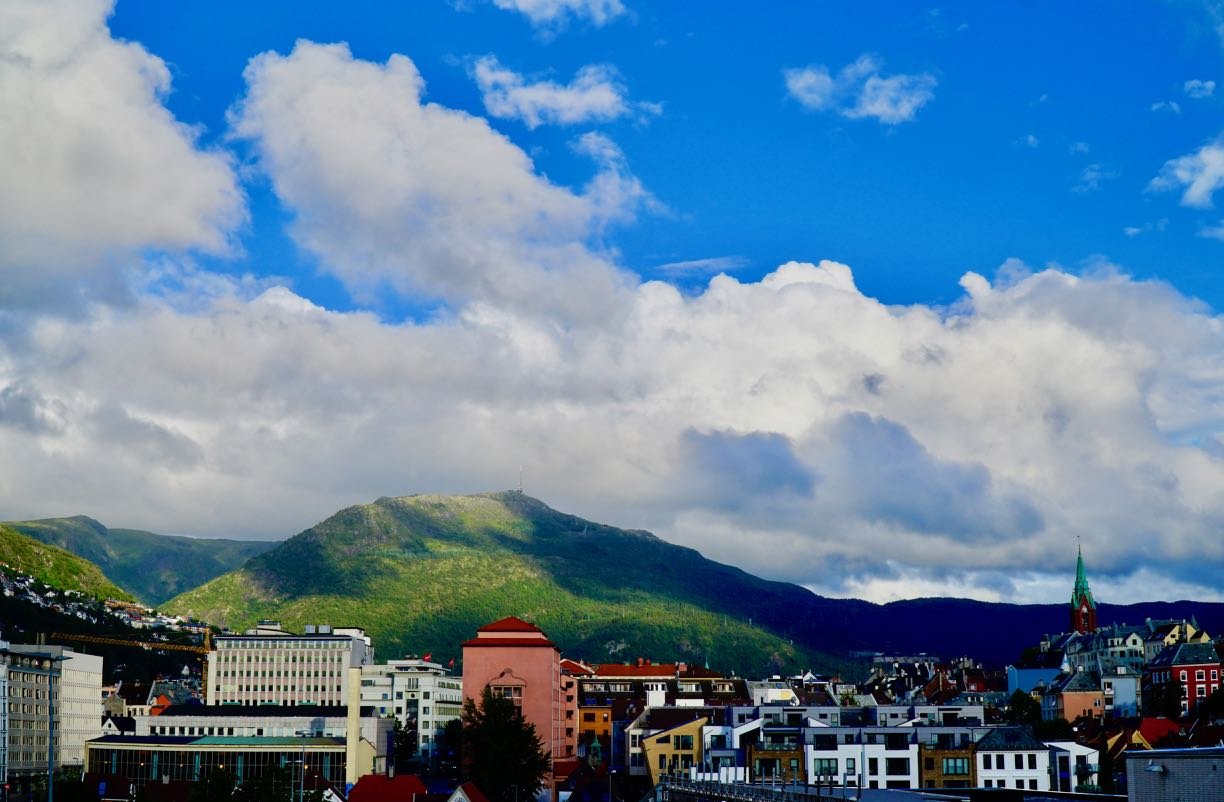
<point>414,689</point>
<point>77,680</point>
<point>1009,757</point>
<point>4,713</point>
<point>268,665</point>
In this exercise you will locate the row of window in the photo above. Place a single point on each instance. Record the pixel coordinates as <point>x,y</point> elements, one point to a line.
<point>1000,761</point>
<point>1031,784</point>
<point>277,673</point>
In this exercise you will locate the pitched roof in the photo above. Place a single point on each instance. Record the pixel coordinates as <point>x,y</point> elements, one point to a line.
<point>486,642</point>
<point>470,792</point>
<point>378,788</point>
<point>1186,654</point>
<point>510,624</point>
<point>1009,739</point>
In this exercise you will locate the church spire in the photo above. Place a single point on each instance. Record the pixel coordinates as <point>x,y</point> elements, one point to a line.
<point>1083,606</point>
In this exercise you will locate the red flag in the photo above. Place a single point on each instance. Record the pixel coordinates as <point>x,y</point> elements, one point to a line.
<point>427,657</point>
<point>451,664</point>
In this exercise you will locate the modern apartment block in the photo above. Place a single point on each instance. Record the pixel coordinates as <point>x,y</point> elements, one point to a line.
<point>414,689</point>
<point>268,665</point>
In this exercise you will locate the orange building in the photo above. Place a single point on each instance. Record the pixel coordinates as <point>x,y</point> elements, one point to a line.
<point>515,659</point>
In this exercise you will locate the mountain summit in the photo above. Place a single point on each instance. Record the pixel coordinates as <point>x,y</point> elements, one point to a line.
<point>423,572</point>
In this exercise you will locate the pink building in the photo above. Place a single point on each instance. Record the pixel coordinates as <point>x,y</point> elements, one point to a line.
<point>517,660</point>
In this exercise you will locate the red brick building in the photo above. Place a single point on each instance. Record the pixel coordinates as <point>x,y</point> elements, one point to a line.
<point>1195,665</point>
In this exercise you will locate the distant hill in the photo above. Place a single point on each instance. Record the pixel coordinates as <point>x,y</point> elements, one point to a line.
<point>55,566</point>
<point>421,573</point>
<point>150,566</point>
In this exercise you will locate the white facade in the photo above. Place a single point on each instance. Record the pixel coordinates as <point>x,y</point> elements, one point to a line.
<point>268,665</point>
<point>1028,769</point>
<point>373,729</point>
<point>4,715</point>
<point>78,699</point>
<point>417,689</point>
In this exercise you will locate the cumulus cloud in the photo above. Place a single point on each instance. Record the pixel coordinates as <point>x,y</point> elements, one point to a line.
<point>596,94</point>
<point>792,425</point>
<point>860,89</point>
<point>390,190</point>
<point>95,167</point>
<point>553,14</point>
<point>1200,173</point>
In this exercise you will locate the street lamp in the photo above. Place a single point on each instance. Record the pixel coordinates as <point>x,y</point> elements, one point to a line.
<point>302,786</point>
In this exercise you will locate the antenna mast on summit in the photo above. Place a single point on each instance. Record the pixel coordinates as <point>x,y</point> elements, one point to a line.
<point>520,487</point>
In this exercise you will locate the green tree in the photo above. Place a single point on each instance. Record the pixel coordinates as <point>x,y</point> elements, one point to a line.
<point>406,742</point>
<point>1022,708</point>
<point>1164,699</point>
<point>1058,729</point>
<point>216,786</point>
<point>501,750</point>
<point>1212,708</point>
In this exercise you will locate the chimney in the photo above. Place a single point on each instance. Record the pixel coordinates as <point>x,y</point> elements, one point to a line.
<point>681,668</point>
<point>640,661</point>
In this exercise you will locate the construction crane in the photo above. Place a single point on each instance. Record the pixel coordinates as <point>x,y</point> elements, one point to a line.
<point>149,646</point>
<point>146,645</point>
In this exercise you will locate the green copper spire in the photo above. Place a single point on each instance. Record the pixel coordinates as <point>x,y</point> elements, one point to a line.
<point>1081,591</point>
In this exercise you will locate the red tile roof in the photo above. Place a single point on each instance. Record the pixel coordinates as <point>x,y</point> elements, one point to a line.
<point>510,624</point>
<point>378,788</point>
<point>647,670</point>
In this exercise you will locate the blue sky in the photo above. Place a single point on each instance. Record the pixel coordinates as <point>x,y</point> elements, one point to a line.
<point>745,172</point>
<point>887,301</point>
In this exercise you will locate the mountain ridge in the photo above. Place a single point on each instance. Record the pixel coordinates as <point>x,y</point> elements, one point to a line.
<point>151,567</point>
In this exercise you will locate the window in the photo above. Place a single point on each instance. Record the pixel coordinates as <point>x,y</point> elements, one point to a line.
<point>512,692</point>
<point>825,767</point>
<point>588,716</point>
<point>873,765</point>
<point>682,742</point>
<point>1032,762</point>
<point>986,763</point>
<point>850,765</point>
<point>1200,675</point>
<point>956,766</point>
<point>895,766</point>
<point>1019,760</point>
<point>1032,785</point>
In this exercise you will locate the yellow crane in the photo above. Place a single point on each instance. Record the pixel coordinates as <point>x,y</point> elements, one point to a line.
<point>149,646</point>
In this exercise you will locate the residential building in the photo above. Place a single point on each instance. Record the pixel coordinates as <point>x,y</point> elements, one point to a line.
<point>1073,694</point>
<point>1010,757</point>
<point>947,761</point>
<point>4,712</point>
<point>78,699</point>
<point>268,665</point>
<point>1121,689</point>
<point>1196,666</point>
<point>516,660</point>
<point>414,690</point>
<point>1073,766</point>
<point>648,742</point>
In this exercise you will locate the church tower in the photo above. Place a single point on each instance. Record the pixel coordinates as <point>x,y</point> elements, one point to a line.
<point>1083,606</point>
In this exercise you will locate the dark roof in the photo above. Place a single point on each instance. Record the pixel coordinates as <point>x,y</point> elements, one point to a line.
<point>261,711</point>
<point>122,723</point>
<point>664,718</point>
<point>379,788</point>
<point>510,624</point>
<point>1009,739</point>
<point>1186,654</point>
<point>216,740</point>
<point>1075,681</point>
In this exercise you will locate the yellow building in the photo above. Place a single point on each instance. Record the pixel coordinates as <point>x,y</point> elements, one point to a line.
<point>673,750</point>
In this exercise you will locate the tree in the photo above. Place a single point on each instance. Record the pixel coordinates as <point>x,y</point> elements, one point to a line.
<point>1211,709</point>
<point>1164,699</point>
<point>501,750</point>
<point>407,739</point>
<point>1022,708</point>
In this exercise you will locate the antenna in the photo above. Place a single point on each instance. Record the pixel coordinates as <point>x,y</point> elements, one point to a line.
<point>520,487</point>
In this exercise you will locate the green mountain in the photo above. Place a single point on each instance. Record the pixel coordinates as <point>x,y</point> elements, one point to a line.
<point>421,573</point>
<point>55,566</point>
<point>152,567</point>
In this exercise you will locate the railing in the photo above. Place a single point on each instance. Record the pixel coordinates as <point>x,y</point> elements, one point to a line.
<point>680,789</point>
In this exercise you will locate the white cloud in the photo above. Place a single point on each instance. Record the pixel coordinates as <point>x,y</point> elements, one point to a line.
<point>1199,89</point>
<point>1201,173</point>
<point>1029,141</point>
<point>95,168</point>
<point>1078,147</point>
<point>1171,106</point>
<point>1091,178</point>
<point>707,267</point>
<point>860,90</point>
<point>1134,231</point>
<point>872,448</point>
<point>557,13</point>
<point>389,190</point>
<point>595,95</point>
